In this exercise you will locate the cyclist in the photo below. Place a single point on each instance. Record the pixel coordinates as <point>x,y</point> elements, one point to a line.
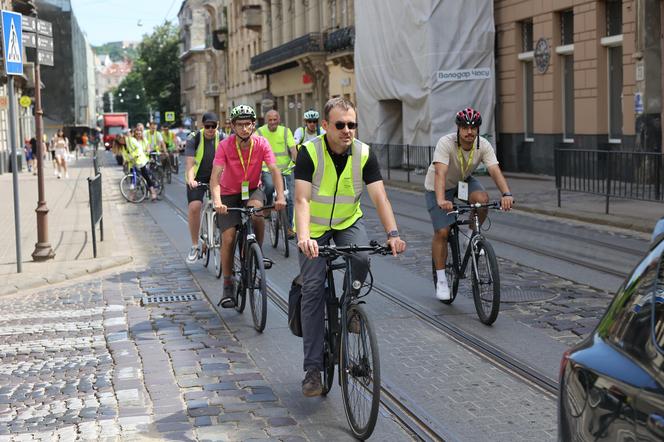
<point>328,186</point>
<point>283,145</point>
<point>227,127</point>
<point>455,158</point>
<point>169,143</point>
<point>310,130</point>
<point>156,142</point>
<point>137,147</point>
<point>199,154</point>
<point>235,182</point>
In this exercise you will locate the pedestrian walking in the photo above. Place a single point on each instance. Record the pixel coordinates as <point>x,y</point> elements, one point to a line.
<point>61,145</point>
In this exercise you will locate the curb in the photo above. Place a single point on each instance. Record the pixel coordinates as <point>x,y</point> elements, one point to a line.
<point>644,226</point>
<point>33,282</point>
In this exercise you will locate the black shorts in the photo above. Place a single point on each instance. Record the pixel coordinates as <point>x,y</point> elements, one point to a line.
<point>232,219</point>
<point>196,194</point>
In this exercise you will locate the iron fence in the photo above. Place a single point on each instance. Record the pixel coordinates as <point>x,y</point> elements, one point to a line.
<point>619,174</point>
<point>403,162</point>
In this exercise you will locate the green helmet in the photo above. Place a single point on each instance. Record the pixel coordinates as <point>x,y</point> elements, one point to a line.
<point>243,112</point>
<point>311,115</point>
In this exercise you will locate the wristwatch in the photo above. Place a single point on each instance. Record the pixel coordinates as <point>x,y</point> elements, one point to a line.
<point>393,234</point>
<point>507,194</point>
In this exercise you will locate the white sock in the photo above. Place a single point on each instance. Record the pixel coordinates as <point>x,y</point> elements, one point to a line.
<point>440,274</point>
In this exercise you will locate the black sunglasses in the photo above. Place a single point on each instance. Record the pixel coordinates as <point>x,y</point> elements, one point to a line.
<point>210,126</point>
<point>340,125</point>
<point>311,121</point>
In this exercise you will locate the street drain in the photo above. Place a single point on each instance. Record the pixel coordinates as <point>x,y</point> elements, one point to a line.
<point>161,299</point>
<point>518,295</point>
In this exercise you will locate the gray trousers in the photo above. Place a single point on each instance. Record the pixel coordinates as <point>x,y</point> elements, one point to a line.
<point>313,273</point>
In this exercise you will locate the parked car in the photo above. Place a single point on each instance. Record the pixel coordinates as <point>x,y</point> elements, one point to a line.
<point>612,383</point>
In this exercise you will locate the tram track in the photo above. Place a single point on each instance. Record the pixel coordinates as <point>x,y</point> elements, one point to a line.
<point>542,252</point>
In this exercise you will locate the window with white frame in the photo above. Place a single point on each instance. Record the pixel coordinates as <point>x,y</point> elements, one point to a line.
<point>566,52</point>
<point>613,43</point>
<point>526,57</point>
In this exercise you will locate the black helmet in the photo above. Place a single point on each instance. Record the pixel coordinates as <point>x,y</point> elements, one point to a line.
<point>210,116</point>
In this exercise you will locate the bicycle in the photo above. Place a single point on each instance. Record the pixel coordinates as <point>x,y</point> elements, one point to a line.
<point>485,277</point>
<point>279,220</point>
<point>350,340</point>
<point>249,268</point>
<point>133,186</point>
<point>157,171</point>
<point>207,242</point>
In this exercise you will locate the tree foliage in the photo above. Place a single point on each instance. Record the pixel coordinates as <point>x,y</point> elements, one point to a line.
<point>154,78</point>
<point>115,51</point>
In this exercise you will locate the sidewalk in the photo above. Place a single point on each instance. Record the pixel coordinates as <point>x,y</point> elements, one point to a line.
<point>70,233</point>
<point>537,194</point>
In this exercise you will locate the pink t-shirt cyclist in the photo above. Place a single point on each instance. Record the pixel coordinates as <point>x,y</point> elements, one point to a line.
<point>234,171</point>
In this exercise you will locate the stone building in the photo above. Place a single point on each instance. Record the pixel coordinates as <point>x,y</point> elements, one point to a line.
<point>203,79</point>
<point>575,73</point>
<point>303,52</point>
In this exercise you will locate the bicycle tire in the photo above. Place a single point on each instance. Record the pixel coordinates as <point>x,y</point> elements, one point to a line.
<point>240,295</point>
<point>176,164</point>
<point>138,193</point>
<point>216,247</point>
<point>329,343</point>
<point>357,367</point>
<point>274,229</point>
<point>283,220</point>
<point>168,175</point>
<point>203,239</point>
<point>256,287</point>
<point>158,176</point>
<point>487,302</point>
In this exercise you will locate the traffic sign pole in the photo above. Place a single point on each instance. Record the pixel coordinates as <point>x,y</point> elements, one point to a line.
<point>12,45</point>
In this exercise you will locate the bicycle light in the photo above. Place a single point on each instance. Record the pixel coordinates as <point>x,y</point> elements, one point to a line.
<point>357,284</point>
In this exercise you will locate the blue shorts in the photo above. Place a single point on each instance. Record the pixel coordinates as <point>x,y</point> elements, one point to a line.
<point>439,218</point>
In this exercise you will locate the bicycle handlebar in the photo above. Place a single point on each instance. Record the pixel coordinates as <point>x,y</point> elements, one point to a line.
<point>464,208</point>
<point>249,210</point>
<point>335,251</point>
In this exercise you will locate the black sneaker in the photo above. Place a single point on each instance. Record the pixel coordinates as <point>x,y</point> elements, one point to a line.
<point>311,385</point>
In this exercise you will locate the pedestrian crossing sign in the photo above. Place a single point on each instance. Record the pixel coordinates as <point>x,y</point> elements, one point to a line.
<point>12,42</point>
<point>169,116</point>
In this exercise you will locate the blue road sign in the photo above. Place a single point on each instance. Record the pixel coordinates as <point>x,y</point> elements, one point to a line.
<point>12,42</point>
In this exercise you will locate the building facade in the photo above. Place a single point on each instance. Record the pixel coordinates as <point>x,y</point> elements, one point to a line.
<point>570,74</point>
<point>303,51</point>
<point>203,79</point>
<point>243,37</point>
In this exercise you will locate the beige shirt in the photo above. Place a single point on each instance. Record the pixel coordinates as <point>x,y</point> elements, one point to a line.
<point>446,153</point>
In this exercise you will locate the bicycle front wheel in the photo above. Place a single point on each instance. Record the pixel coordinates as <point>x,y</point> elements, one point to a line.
<point>256,288</point>
<point>486,283</point>
<point>283,215</point>
<point>133,193</point>
<point>204,239</point>
<point>360,373</point>
<point>216,246</point>
<point>238,276</point>
<point>330,342</point>
<point>274,228</point>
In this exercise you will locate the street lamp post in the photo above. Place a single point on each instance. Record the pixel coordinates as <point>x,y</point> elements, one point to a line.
<point>43,250</point>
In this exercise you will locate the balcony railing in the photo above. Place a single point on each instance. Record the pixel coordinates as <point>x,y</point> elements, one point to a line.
<point>340,40</point>
<point>287,52</point>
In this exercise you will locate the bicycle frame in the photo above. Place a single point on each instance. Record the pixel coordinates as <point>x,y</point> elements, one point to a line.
<point>460,265</point>
<point>208,208</point>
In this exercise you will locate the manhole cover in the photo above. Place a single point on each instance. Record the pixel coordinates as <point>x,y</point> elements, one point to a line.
<point>160,299</point>
<point>517,295</point>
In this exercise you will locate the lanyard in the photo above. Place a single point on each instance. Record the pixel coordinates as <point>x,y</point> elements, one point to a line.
<point>239,154</point>
<point>465,167</point>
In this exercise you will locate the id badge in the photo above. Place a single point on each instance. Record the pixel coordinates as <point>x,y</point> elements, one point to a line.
<point>245,190</point>
<point>462,192</point>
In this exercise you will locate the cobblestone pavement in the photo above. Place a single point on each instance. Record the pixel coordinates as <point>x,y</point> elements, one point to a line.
<point>88,361</point>
<point>565,310</point>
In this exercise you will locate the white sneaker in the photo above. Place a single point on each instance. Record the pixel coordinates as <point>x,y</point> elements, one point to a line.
<point>58,175</point>
<point>66,174</point>
<point>55,172</point>
<point>193,255</point>
<point>442,290</point>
